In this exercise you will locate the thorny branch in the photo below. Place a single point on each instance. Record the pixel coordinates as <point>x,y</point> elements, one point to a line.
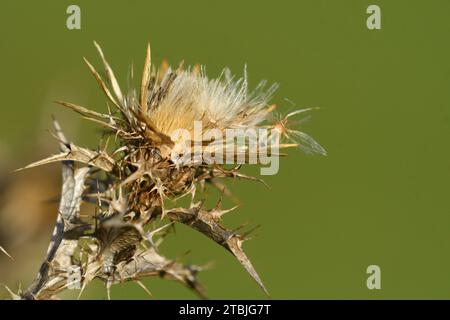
<point>207,222</point>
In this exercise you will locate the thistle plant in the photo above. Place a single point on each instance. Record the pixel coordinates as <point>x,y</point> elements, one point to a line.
<point>138,176</point>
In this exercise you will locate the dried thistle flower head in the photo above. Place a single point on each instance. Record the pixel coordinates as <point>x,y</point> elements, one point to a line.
<point>132,183</point>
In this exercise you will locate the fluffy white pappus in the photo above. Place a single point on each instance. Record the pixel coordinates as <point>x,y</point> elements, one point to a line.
<point>220,103</point>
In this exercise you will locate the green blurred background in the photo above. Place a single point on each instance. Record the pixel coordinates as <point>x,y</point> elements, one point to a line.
<point>380,197</point>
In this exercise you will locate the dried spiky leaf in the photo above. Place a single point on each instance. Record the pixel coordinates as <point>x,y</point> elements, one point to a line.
<point>5,252</point>
<point>148,263</point>
<point>207,223</point>
<point>111,77</point>
<point>96,159</point>
<point>145,80</point>
<point>102,84</point>
<point>69,207</point>
<point>83,111</point>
